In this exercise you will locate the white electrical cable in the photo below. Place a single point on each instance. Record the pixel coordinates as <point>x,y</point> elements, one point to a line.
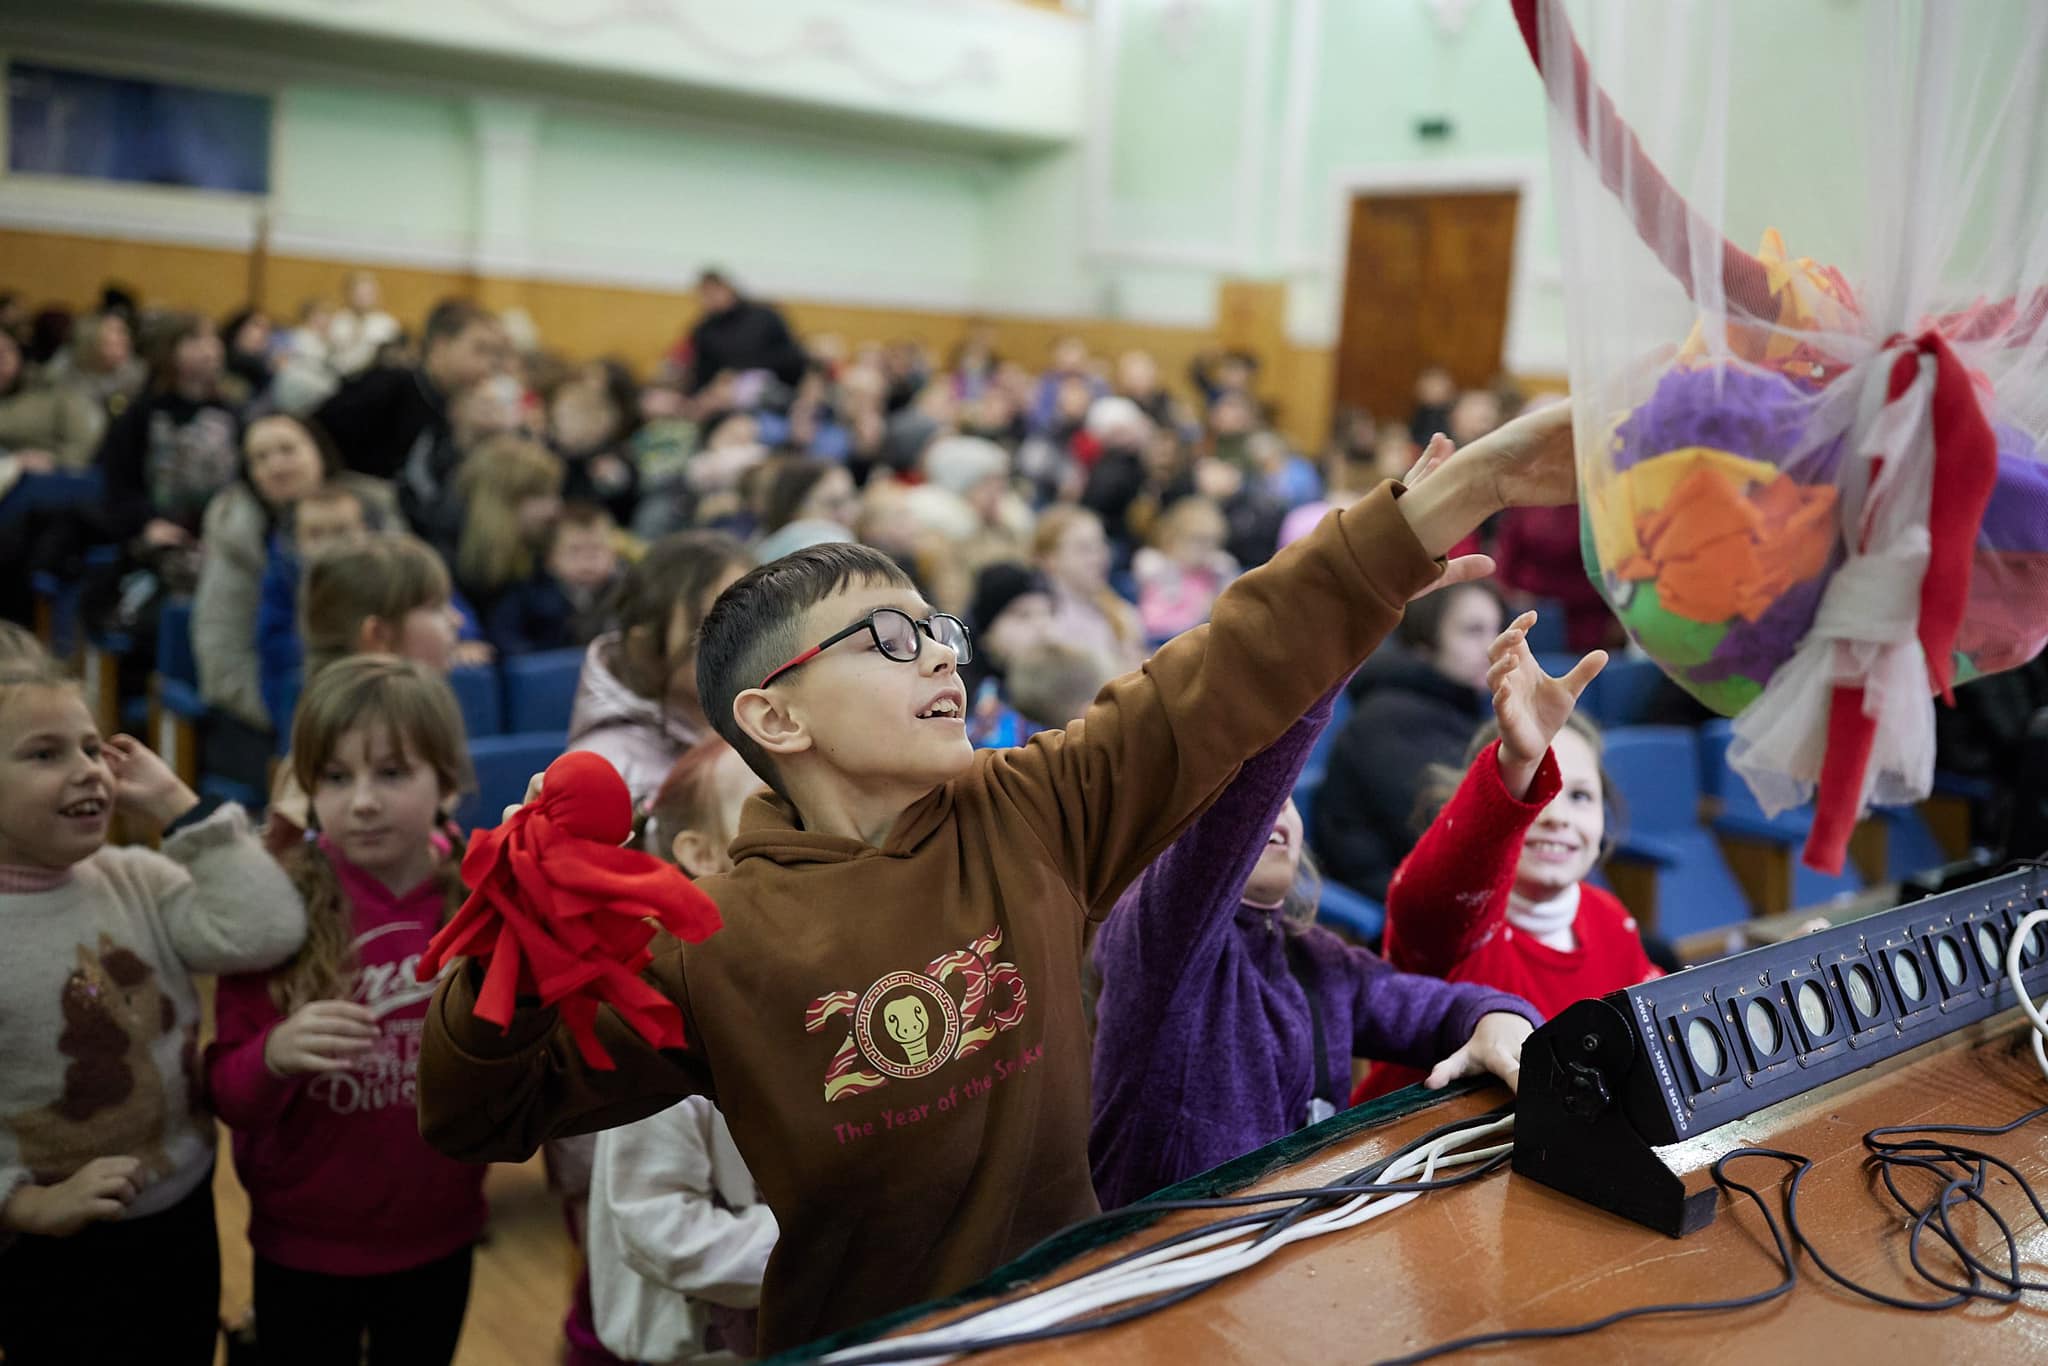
<point>2021,933</point>
<point>1199,1260</point>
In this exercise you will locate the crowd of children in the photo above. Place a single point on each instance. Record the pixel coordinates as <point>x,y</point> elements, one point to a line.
<point>863,634</point>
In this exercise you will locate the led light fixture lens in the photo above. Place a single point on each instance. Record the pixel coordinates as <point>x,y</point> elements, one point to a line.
<point>1912,982</point>
<point>1862,990</point>
<point>1949,959</point>
<point>1813,1007</point>
<point>1762,1023</point>
<point>1705,1046</point>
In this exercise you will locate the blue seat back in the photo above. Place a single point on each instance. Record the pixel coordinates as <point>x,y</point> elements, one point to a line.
<point>540,689</point>
<point>1628,689</point>
<point>476,692</point>
<point>1656,771</point>
<point>504,765</point>
<point>1548,635</point>
<point>174,657</point>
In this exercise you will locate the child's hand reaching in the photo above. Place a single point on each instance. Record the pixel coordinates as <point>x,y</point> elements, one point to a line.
<point>144,784</point>
<point>320,1036</point>
<point>98,1191</point>
<point>1531,706</point>
<point>1495,1046</point>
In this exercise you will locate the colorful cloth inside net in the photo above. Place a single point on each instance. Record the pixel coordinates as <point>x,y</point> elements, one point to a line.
<point>1813,489</point>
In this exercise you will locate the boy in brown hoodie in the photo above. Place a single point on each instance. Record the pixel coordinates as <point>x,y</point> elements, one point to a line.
<point>890,1018</point>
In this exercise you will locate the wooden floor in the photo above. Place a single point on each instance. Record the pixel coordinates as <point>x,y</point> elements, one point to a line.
<point>524,1269</point>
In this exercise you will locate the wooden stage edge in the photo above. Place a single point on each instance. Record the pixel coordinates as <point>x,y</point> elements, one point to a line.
<point>1507,1253</point>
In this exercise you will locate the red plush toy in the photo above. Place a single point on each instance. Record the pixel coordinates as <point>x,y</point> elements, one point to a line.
<point>560,911</point>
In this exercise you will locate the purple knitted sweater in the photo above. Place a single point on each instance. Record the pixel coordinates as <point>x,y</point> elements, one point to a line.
<point>1203,1043</point>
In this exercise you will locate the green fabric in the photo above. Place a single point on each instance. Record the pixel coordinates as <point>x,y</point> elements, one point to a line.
<point>1227,1179</point>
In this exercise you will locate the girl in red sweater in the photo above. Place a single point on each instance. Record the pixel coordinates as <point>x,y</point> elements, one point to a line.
<point>361,1232</point>
<point>1495,891</point>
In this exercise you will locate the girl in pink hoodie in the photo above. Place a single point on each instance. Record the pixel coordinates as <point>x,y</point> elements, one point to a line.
<point>360,1230</point>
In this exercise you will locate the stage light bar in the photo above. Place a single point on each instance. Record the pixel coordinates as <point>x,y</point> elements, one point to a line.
<point>1608,1080</point>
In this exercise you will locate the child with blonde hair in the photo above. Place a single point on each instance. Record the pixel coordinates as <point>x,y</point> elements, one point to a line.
<point>511,492</point>
<point>362,1233</point>
<point>108,1249</point>
<point>1185,569</point>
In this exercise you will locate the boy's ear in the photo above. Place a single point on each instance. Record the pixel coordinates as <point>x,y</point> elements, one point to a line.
<point>769,722</point>
<point>373,637</point>
<point>694,854</point>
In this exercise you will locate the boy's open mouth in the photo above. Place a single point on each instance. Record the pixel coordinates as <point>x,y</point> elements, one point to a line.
<point>85,809</point>
<point>944,709</point>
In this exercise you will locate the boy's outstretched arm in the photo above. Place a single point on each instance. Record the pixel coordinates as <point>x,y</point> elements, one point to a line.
<point>1110,792</point>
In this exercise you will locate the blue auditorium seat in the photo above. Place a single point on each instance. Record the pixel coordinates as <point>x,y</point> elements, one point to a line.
<point>540,689</point>
<point>1742,817</point>
<point>1656,772</point>
<point>476,692</point>
<point>504,765</point>
<point>1350,913</point>
<point>1626,691</point>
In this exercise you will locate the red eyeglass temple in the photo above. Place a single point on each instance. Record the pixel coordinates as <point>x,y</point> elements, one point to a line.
<point>806,657</point>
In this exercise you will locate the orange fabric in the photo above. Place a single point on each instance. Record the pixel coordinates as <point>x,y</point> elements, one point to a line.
<point>1718,553</point>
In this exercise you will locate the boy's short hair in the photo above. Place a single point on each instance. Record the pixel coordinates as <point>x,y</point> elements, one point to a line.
<point>1054,684</point>
<point>451,318</point>
<point>756,624</point>
<point>332,493</point>
<point>580,516</point>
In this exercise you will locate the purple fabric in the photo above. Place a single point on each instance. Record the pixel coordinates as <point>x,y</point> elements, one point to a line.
<point>1755,649</point>
<point>2016,518</point>
<point>1203,1042</point>
<point>1753,414</point>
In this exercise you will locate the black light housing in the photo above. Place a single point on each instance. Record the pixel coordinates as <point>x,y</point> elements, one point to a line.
<point>1607,1081</point>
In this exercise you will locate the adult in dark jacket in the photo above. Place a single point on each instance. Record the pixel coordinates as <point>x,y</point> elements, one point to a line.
<point>735,334</point>
<point>175,447</point>
<point>388,419</point>
<point>1421,710</point>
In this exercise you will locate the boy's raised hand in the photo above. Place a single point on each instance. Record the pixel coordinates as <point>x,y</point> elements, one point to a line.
<point>1464,568</point>
<point>1530,705</point>
<point>1527,463</point>
<point>144,784</point>
<point>1495,1046</point>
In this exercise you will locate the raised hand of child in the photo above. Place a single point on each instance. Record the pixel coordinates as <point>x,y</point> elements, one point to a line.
<point>320,1036</point>
<point>1530,705</point>
<point>472,654</point>
<point>96,1192</point>
<point>144,785</point>
<point>1495,1046</point>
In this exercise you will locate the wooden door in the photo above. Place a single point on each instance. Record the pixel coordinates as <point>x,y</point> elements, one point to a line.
<point>1426,283</point>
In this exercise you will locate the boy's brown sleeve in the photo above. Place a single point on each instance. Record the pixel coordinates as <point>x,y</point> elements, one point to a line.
<point>491,1095</point>
<point>1113,789</point>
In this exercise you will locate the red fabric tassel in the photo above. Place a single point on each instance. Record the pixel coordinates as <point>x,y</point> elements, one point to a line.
<point>1965,469</point>
<point>559,911</point>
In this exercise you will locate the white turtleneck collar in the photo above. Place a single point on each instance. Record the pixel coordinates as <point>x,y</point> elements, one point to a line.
<point>1549,922</point>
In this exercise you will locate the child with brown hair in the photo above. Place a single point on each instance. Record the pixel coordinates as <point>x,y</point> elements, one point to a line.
<point>387,594</point>
<point>360,1230</point>
<point>562,604</point>
<point>637,701</point>
<point>106,1147</point>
